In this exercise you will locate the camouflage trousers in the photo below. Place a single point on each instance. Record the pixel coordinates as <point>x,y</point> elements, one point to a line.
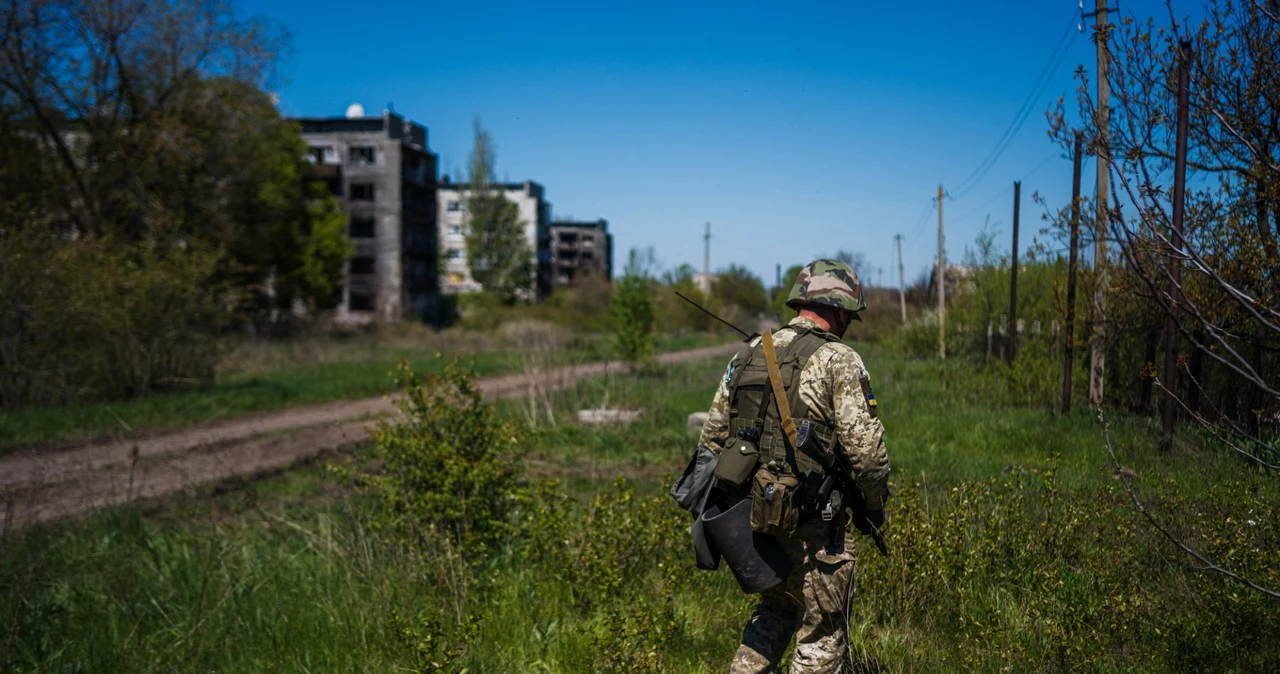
<point>812,604</point>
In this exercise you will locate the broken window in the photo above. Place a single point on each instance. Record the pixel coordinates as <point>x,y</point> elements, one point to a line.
<point>455,230</point>
<point>362,265</point>
<point>362,228</point>
<point>455,206</point>
<point>320,154</point>
<point>362,191</point>
<point>360,155</point>
<point>455,254</point>
<point>360,302</point>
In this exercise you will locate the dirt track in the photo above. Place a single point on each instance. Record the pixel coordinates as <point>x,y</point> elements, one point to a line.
<point>41,485</point>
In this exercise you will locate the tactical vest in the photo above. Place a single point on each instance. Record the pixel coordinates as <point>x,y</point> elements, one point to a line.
<point>751,399</point>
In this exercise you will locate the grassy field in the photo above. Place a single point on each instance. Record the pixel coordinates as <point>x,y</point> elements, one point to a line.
<point>1013,551</point>
<point>264,376</point>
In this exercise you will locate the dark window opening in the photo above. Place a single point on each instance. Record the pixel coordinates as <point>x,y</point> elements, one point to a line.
<point>362,191</point>
<point>454,206</point>
<point>362,265</point>
<point>335,186</point>
<point>362,228</point>
<point>360,156</point>
<point>321,154</point>
<point>360,302</point>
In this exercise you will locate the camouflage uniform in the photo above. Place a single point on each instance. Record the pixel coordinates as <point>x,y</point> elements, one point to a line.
<point>813,602</point>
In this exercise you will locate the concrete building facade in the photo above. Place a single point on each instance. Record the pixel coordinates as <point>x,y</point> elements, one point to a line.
<point>535,212</point>
<point>579,248</point>
<point>384,174</point>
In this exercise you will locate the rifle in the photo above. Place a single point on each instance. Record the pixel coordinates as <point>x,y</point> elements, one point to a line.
<point>838,473</point>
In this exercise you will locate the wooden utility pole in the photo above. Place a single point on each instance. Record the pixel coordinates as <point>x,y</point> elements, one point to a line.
<point>1175,242</point>
<point>1069,330</point>
<point>1013,277</point>
<point>941,279</point>
<point>902,285</point>
<point>1098,352</point>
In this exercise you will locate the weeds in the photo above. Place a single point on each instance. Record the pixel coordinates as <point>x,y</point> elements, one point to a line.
<point>1005,556</point>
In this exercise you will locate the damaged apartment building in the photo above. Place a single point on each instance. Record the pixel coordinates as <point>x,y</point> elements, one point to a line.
<point>384,174</point>
<point>535,213</point>
<point>578,249</point>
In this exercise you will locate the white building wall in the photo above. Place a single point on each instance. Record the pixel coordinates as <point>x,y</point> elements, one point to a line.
<point>455,274</point>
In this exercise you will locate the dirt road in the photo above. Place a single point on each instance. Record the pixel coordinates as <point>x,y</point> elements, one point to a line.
<point>41,485</point>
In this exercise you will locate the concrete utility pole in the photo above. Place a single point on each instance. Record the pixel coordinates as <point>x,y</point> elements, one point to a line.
<point>1175,268</point>
<point>879,277</point>
<point>902,285</point>
<point>1013,278</point>
<point>1098,355</point>
<point>1069,330</point>
<point>942,286</point>
<point>777,275</point>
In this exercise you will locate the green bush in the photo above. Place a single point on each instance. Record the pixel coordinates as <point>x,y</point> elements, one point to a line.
<point>449,470</point>
<point>90,318</point>
<point>632,310</point>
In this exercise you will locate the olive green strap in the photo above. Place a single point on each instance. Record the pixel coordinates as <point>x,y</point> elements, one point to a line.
<point>779,393</point>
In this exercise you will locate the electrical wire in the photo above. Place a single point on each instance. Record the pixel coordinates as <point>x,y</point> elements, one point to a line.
<point>1024,111</point>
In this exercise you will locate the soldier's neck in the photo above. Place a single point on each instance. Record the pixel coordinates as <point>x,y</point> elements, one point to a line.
<point>820,321</point>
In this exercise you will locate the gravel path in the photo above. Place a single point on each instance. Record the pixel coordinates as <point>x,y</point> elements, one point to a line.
<point>42,485</point>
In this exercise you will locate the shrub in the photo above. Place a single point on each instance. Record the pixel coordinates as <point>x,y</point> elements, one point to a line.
<point>449,464</point>
<point>632,310</point>
<point>90,318</point>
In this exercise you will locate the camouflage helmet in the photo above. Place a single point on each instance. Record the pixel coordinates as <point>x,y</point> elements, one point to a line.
<point>831,283</point>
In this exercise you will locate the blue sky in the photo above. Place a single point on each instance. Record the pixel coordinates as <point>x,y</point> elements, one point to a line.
<point>795,128</point>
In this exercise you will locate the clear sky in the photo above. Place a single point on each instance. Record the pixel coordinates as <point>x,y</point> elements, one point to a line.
<point>795,128</point>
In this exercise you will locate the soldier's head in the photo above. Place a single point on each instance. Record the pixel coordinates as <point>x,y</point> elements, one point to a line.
<point>828,290</point>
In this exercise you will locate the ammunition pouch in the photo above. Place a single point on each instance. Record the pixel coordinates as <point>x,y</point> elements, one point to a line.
<point>775,501</point>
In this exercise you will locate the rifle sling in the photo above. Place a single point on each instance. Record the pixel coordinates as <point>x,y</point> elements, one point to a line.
<point>779,393</point>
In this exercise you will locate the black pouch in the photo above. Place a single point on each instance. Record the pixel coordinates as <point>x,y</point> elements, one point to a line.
<point>775,501</point>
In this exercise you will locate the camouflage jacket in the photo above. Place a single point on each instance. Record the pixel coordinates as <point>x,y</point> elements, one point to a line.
<point>829,387</point>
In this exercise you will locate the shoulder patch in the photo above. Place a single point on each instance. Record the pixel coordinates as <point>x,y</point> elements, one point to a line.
<point>864,380</point>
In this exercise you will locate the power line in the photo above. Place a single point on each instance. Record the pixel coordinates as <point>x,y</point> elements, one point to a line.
<point>1004,192</point>
<point>1024,111</point>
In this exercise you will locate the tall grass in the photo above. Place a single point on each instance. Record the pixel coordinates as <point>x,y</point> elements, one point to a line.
<point>266,375</point>
<point>1012,546</point>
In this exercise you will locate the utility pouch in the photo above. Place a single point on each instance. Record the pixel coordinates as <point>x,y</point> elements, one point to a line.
<point>739,458</point>
<point>775,501</point>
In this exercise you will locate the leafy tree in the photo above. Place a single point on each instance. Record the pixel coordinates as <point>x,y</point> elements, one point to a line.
<point>736,286</point>
<point>140,144</point>
<point>498,252</point>
<point>1225,307</point>
<point>632,308</point>
<point>781,293</point>
<point>152,125</point>
<point>677,313</point>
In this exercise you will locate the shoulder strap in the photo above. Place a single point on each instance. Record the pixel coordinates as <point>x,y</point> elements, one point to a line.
<point>779,393</point>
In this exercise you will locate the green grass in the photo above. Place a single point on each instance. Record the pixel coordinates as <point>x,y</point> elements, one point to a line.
<point>284,380</point>
<point>1013,551</point>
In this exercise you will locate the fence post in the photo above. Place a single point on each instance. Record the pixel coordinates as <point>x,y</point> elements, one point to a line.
<point>1004,335</point>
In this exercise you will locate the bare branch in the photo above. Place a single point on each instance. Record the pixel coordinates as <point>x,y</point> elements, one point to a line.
<point>1209,565</point>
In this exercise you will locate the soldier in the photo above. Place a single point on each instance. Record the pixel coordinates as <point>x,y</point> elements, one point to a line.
<point>828,385</point>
